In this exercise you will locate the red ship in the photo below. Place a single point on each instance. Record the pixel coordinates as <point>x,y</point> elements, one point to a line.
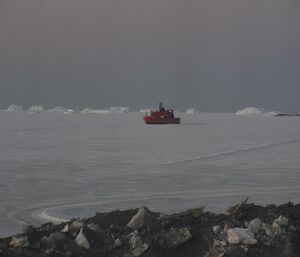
<point>161,116</point>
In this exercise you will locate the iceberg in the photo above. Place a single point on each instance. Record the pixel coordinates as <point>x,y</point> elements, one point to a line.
<point>94,111</point>
<point>192,111</point>
<point>61,110</point>
<point>253,111</point>
<point>119,109</point>
<point>250,111</point>
<point>14,107</point>
<point>114,109</point>
<point>36,109</point>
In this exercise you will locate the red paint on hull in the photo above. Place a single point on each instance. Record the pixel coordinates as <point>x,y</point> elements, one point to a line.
<point>155,120</point>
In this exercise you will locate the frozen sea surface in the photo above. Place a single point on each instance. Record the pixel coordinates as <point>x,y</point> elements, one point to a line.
<point>55,166</point>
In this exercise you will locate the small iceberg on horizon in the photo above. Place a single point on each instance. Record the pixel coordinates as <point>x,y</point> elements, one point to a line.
<point>250,111</point>
<point>253,111</point>
<point>14,107</point>
<point>119,109</point>
<point>113,109</point>
<point>145,110</point>
<point>36,109</point>
<point>60,109</point>
<point>192,111</point>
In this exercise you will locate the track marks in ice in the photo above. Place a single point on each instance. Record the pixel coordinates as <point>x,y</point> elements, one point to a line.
<point>235,152</point>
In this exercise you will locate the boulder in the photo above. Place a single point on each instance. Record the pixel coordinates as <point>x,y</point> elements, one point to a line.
<point>135,242</point>
<point>216,229</point>
<point>94,227</point>
<point>137,246</point>
<point>117,243</point>
<point>140,250</point>
<point>240,236</point>
<point>81,240</point>
<point>51,241</point>
<point>281,221</point>
<point>254,226</point>
<point>17,242</point>
<point>176,237</point>
<point>267,228</point>
<point>76,225</point>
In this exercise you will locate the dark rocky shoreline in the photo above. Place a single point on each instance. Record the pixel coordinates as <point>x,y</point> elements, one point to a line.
<point>246,230</point>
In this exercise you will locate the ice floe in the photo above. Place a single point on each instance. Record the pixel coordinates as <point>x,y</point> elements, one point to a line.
<point>192,111</point>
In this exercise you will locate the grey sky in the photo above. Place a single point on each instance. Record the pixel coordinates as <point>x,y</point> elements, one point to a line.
<point>216,55</point>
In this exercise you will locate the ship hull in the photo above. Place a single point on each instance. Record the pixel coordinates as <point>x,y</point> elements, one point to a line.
<point>156,120</point>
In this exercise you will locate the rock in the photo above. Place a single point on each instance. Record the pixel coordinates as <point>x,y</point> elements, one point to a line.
<point>196,213</point>
<point>277,229</point>
<point>17,242</point>
<point>117,243</point>
<point>267,244</point>
<point>216,229</point>
<point>140,250</point>
<point>138,219</point>
<point>134,233</point>
<point>137,246</point>
<point>176,237</point>
<point>217,243</point>
<point>35,246</point>
<point>94,227</point>
<point>68,254</point>
<point>81,240</point>
<point>76,225</point>
<point>254,226</point>
<point>51,241</point>
<point>240,235</point>
<point>225,229</point>
<point>279,225</point>
<point>281,221</point>
<point>267,228</point>
<point>66,229</point>
<point>135,241</point>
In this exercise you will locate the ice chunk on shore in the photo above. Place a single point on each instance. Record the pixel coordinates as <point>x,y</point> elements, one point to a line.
<point>82,241</point>
<point>192,111</point>
<point>14,107</point>
<point>240,235</point>
<point>36,109</point>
